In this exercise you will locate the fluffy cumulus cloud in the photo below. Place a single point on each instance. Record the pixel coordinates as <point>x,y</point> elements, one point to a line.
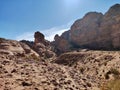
<point>49,34</point>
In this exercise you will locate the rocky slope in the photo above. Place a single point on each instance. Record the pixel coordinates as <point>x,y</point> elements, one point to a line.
<point>40,48</point>
<point>84,70</point>
<point>15,48</point>
<point>94,31</point>
<point>26,66</point>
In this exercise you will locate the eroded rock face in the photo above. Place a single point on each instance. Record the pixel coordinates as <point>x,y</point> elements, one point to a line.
<point>39,37</point>
<point>12,48</point>
<point>28,50</point>
<point>42,46</point>
<point>98,31</point>
<point>85,31</point>
<point>65,35</point>
<point>110,28</point>
<point>61,44</point>
<point>95,31</point>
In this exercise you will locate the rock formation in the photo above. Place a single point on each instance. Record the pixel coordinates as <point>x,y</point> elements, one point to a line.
<point>110,28</point>
<point>85,31</point>
<point>39,38</point>
<point>13,47</point>
<point>95,31</point>
<point>60,44</point>
<point>42,46</point>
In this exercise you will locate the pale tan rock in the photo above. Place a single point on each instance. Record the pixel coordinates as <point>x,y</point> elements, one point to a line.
<point>95,31</point>
<point>60,44</point>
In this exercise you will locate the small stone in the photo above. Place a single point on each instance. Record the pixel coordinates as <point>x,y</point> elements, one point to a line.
<point>26,84</point>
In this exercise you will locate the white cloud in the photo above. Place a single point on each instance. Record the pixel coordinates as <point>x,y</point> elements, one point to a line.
<point>26,36</point>
<point>49,34</point>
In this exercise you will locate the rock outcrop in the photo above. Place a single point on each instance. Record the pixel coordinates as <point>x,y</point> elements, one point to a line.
<point>42,46</point>
<point>84,32</point>
<point>110,28</point>
<point>95,31</point>
<point>39,49</point>
<point>39,37</point>
<point>15,48</point>
<point>60,44</point>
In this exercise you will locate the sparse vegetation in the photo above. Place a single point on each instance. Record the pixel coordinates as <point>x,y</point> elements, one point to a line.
<point>113,71</point>
<point>112,85</point>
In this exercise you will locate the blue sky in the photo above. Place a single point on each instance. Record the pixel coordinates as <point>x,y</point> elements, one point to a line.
<point>19,19</point>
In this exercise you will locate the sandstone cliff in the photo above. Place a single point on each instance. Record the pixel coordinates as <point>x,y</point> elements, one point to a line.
<point>95,31</point>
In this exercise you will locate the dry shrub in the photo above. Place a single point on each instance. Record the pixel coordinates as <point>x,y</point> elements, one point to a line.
<point>113,71</point>
<point>112,85</point>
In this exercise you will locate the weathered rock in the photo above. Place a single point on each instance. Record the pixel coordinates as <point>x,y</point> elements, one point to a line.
<point>39,37</point>
<point>29,50</point>
<point>12,46</point>
<point>94,31</point>
<point>110,28</point>
<point>49,54</point>
<point>42,46</point>
<point>7,52</point>
<point>65,35</point>
<point>84,32</point>
<point>61,44</point>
